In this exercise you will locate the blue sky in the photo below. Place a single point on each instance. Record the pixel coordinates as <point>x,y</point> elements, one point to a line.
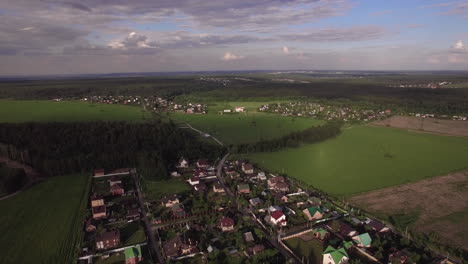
<point>94,36</point>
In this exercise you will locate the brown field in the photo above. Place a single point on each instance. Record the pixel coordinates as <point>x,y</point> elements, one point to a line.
<point>429,125</point>
<point>442,204</point>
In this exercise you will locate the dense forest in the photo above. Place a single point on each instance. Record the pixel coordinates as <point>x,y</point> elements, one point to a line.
<point>310,135</point>
<point>61,148</point>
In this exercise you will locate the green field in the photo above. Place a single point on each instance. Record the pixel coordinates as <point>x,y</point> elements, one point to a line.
<point>44,224</point>
<point>157,189</point>
<point>311,250</point>
<point>12,111</point>
<point>235,128</point>
<point>365,158</point>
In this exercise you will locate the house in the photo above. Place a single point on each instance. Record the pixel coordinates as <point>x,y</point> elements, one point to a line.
<point>248,237</point>
<point>226,224</point>
<point>98,172</point>
<point>313,213</point>
<point>133,213</point>
<point>278,218</point>
<point>108,239</point>
<point>399,257</point>
<point>201,187</point>
<point>133,255</point>
<point>202,164</point>
<point>175,174</point>
<point>261,176</point>
<point>279,196</point>
<point>182,164</point>
<point>170,200</point>
<point>90,226</point>
<point>275,180</point>
<point>178,210</point>
<point>321,234</point>
<point>194,180</point>
<point>255,201</point>
<point>377,226</point>
<point>96,201</point>
<point>346,230</point>
<point>243,188</point>
<point>227,111</point>
<point>117,190</point>
<point>335,256</point>
<point>218,188</point>
<point>99,212</point>
<point>282,187</point>
<point>177,247</point>
<point>362,240</point>
<point>247,168</point>
<point>114,180</point>
<point>256,249</point>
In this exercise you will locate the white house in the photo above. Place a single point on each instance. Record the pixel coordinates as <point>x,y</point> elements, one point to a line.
<point>183,163</point>
<point>194,181</point>
<point>278,218</point>
<point>239,109</point>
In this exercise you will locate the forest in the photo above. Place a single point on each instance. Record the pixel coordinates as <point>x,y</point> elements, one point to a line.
<point>292,140</point>
<point>63,148</point>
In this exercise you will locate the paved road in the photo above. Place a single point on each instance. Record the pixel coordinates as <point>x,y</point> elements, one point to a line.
<point>153,244</point>
<point>203,133</point>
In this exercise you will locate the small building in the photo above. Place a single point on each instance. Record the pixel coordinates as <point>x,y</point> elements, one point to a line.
<point>346,230</point>
<point>182,164</point>
<point>256,249</point>
<point>313,213</point>
<point>117,190</point>
<point>203,164</point>
<point>133,213</point>
<point>133,255</point>
<point>243,188</point>
<point>275,180</point>
<point>362,240</point>
<point>170,200</point>
<point>377,226</point>
<point>281,187</point>
<point>321,234</point>
<point>279,196</point>
<point>108,240</point>
<point>335,256</point>
<point>90,226</point>
<point>256,201</point>
<point>96,201</point>
<point>98,172</point>
<point>261,176</point>
<point>99,212</point>
<point>247,168</point>
<point>176,247</point>
<point>226,224</point>
<point>248,237</point>
<point>178,210</point>
<point>239,109</point>
<point>194,180</point>
<point>218,188</point>
<point>201,187</point>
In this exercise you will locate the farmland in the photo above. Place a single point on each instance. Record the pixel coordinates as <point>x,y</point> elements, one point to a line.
<point>157,189</point>
<point>44,223</point>
<point>365,158</point>
<point>66,111</point>
<point>234,128</point>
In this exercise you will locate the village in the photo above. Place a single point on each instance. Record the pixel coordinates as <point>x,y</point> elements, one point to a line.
<point>233,211</point>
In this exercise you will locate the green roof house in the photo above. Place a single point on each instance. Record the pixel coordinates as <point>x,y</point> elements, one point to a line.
<point>133,255</point>
<point>321,233</point>
<point>362,240</point>
<point>313,213</point>
<point>335,256</point>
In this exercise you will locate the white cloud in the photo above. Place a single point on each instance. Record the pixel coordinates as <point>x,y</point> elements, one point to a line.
<point>228,56</point>
<point>285,50</point>
<point>27,28</point>
<point>459,47</point>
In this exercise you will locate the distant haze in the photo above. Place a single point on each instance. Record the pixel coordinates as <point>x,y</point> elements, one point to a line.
<point>95,36</point>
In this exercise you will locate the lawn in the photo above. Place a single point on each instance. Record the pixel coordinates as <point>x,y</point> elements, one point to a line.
<point>311,250</point>
<point>157,189</point>
<point>365,158</point>
<point>12,111</point>
<point>44,224</point>
<point>252,126</point>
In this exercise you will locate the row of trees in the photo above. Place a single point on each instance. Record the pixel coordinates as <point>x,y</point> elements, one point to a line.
<point>310,135</point>
<point>61,148</point>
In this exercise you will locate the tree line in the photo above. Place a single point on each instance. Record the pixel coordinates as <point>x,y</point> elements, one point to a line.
<point>311,135</point>
<point>62,148</point>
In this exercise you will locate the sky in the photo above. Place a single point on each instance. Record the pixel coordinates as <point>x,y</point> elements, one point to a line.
<point>48,37</point>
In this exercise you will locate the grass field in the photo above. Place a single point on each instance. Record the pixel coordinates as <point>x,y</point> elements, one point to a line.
<point>365,158</point>
<point>235,128</point>
<point>157,189</point>
<point>44,223</point>
<point>12,111</point>
<point>311,250</point>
